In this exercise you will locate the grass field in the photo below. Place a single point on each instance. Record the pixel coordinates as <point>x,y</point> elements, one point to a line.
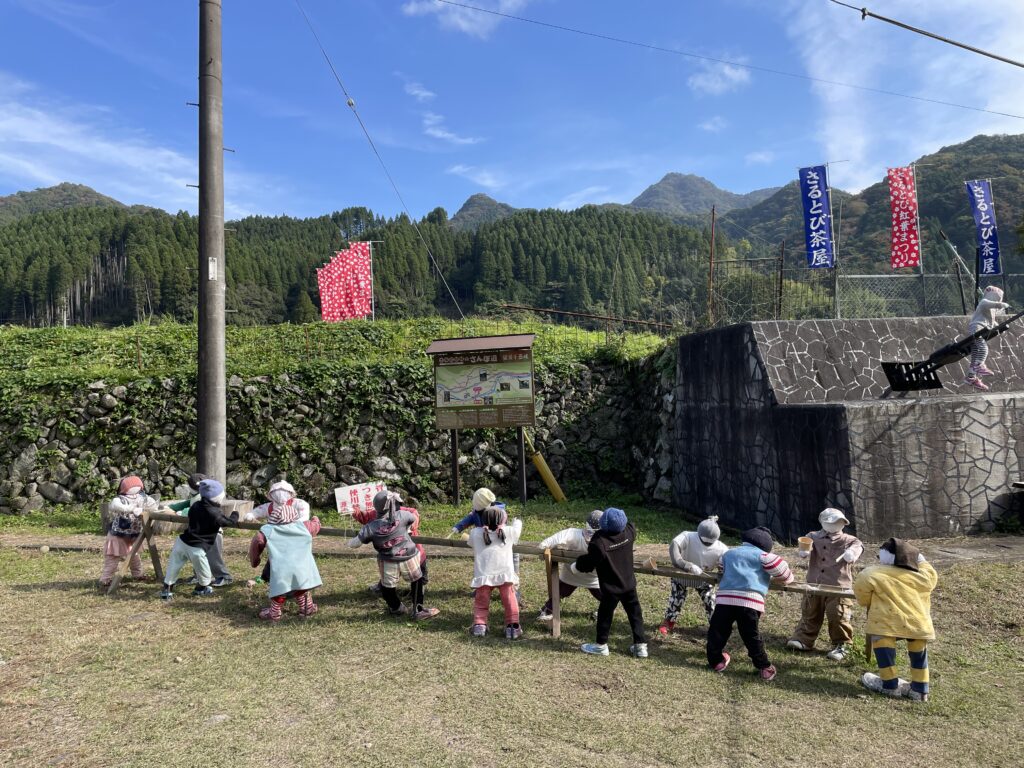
<point>87,680</point>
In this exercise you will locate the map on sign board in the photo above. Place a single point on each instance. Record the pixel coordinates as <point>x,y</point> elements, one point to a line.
<point>491,388</point>
<point>354,498</point>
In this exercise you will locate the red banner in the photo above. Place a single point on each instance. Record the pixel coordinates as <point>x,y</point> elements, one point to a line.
<point>906,238</point>
<point>346,290</point>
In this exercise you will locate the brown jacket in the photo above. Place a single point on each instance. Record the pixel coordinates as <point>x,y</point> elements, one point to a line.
<point>823,568</point>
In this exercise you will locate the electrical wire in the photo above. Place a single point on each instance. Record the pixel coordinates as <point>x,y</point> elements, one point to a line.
<point>865,13</point>
<point>352,105</point>
<point>714,60</point>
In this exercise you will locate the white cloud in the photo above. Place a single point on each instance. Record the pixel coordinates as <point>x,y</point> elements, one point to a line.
<point>42,143</point>
<point>473,23</point>
<point>479,176</point>
<point>418,92</point>
<point>716,78</point>
<point>874,131</point>
<point>762,157</point>
<point>714,124</point>
<point>592,195</point>
<point>433,126</point>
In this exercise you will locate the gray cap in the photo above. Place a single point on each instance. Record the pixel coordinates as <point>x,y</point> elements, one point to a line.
<point>594,520</point>
<point>708,529</point>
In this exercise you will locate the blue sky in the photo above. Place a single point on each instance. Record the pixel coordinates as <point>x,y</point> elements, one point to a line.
<point>460,102</point>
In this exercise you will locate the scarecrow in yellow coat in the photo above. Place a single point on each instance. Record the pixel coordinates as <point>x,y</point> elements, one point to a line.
<point>897,594</point>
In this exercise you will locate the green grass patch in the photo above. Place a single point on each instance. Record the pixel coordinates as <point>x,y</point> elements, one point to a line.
<point>93,681</point>
<point>40,355</point>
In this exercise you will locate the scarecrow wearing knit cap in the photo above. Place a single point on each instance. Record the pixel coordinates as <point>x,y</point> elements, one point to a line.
<point>575,539</point>
<point>205,520</point>
<point>218,570</point>
<point>610,554</point>
<point>832,555</point>
<point>747,571</point>
<point>695,552</point>
<point>984,317</point>
<point>897,593</point>
<point>125,526</point>
<point>288,542</point>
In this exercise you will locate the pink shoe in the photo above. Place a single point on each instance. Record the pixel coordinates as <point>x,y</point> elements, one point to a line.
<point>977,383</point>
<point>720,666</point>
<point>271,613</point>
<point>768,673</point>
<point>983,370</point>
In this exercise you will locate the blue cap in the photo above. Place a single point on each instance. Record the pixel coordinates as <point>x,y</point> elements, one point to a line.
<point>210,488</point>
<point>613,520</point>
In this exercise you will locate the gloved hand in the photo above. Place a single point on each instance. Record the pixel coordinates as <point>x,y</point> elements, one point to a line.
<point>455,531</point>
<point>849,556</point>
<point>920,558</point>
<point>234,518</point>
<point>803,553</point>
<point>249,518</point>
<point>695,569</point>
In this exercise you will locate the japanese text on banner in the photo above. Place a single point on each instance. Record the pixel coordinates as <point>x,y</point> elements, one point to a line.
<point>906,238</point>
<point>357,498</point>
<point>815,194</point>
<point>983,207</point>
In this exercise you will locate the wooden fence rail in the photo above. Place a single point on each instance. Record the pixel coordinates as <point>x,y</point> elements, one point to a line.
<point>551,558</point>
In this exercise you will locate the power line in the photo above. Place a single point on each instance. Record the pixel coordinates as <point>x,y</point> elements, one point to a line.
<point>865,13</point>
<point>714,60</point>
<point>352,105</point>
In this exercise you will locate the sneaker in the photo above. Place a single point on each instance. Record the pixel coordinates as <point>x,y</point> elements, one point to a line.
<point>666,627</point>
<point>513,632</point>
<point>639,650</point>
<point>838,653</point>
<point>720,666</point>
<point>983,370</point>
<point>425,613</point>
<point>796,645</point>
<point>401,610</point>
<point>768,673</point>
<point>375,588</point>
<point>874,683</point>
<point>916,695</point>
<point>165,593</point>
<point>595,649</point>
<point>545,617</point>
<point>223,581</point>
<point>977,383</point>
<point>269,614</point>
<point>202,591</point>
<point>478,630</point>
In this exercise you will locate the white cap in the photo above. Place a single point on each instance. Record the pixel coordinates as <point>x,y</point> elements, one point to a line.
<point>831,515</point>
<point>482,499</point>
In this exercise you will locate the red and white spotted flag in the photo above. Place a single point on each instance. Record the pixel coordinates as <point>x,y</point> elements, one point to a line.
<point>906,236</point>
<point>346,291</point>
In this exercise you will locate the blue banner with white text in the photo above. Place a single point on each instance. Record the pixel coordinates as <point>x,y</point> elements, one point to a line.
<point>979,192</point>
<point>814,193</point>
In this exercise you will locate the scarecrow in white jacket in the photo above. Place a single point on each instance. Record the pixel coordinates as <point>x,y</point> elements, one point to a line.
<point>695,552</point>
<point>575,539</point>
<point>282,506</point>
<point>984,317</point>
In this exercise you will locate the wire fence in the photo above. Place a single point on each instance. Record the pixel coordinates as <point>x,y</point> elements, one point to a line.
<point>766,289</point>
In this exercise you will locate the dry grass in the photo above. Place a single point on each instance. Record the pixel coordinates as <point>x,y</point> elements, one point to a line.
<point>87,680</point>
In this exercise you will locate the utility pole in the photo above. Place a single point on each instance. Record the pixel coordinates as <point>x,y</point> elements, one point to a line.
<point>211,395</point>
<point>711,273</point>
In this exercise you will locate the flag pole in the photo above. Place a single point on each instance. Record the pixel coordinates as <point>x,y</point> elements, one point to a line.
<point>920,243</point>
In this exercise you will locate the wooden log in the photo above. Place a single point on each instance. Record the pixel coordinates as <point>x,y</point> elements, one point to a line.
<point>551,569</point>
<point>558,555</point>
<point>154,554</point>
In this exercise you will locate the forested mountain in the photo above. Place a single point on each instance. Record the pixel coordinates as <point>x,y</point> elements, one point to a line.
<point>480,209</point>
<point>50,199</point>
<point>679,194</point>
<point>864,246</point>
<point>117,265</point>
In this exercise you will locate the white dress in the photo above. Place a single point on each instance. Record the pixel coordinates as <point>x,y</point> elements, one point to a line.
<point>492,563</point>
